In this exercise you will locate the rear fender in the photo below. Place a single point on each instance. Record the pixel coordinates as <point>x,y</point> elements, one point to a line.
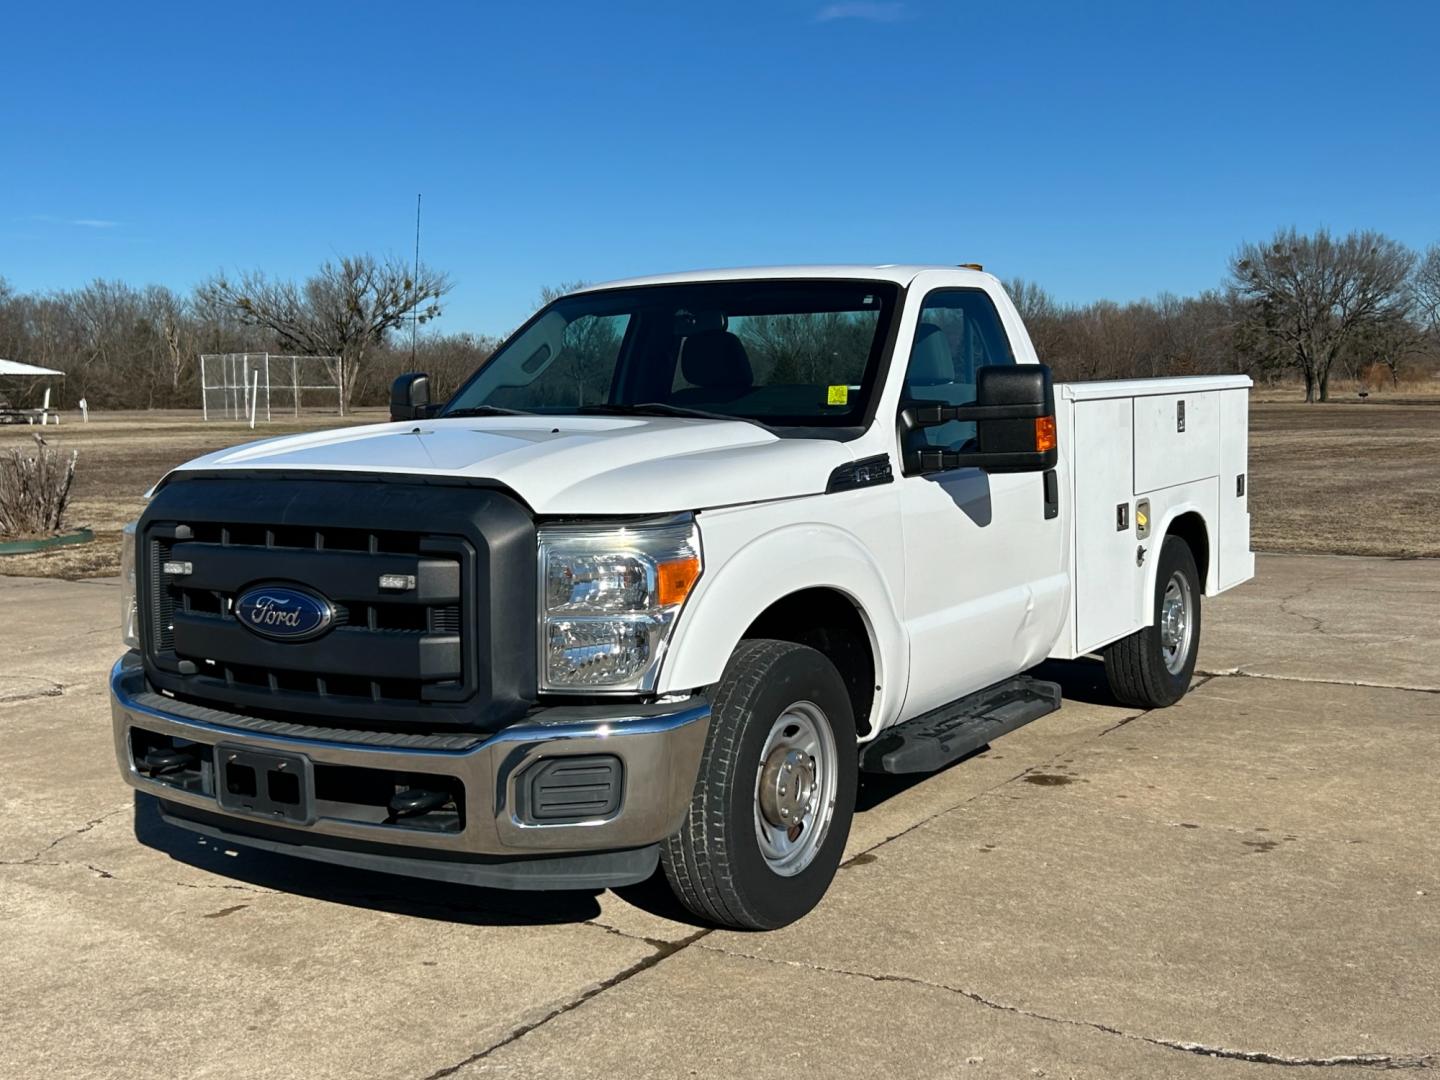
<point>1161,529</point>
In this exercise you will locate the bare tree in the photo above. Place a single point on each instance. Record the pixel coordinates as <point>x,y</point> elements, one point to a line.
<point>1426,286</point>
<point>1390,342</point>
<point>1313,293</point>
<point>1044,318</point>
<point>344,310</point>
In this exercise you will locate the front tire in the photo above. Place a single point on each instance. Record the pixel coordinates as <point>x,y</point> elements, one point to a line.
<point>1152,667</point>
<point>776,791</point>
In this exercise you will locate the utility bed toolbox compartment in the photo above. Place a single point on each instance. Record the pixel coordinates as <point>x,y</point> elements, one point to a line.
<point>1177,439</point>
<point>1141,453</point>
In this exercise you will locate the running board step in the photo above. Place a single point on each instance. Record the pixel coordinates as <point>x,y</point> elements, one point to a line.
<point>943,735</point>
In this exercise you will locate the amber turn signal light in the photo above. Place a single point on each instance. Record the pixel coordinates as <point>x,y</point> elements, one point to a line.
<point>1045,434</point>
<point>675,578</point>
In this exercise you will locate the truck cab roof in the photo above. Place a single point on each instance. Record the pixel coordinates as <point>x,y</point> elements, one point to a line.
<point>899,273</point>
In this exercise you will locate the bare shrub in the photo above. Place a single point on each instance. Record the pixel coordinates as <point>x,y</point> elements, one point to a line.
<point>1375,376</point>
<point>34,491</point>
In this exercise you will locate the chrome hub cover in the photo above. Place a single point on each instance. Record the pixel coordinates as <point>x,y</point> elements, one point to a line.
<point>1175,629</point>
<point>787,786</point>
<point>796,780</point>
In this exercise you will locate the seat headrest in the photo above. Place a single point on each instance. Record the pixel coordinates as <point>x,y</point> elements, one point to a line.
<point>716,360</point>
<point>930,361</point>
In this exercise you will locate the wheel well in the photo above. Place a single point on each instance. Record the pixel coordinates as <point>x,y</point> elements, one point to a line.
<point>1190,527</point>
<point>828,622</point>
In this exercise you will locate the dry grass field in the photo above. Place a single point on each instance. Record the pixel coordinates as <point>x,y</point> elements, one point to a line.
<point>1349,477</point>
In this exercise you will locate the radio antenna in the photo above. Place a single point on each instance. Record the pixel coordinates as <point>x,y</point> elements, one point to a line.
<point>415,315</point>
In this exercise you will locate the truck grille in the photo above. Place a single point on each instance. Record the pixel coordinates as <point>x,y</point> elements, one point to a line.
<point>396,658</point>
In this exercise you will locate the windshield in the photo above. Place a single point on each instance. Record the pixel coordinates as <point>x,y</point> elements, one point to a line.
<point>783,353</point>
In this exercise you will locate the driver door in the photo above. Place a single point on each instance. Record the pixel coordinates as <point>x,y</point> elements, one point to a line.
<point>984,587</point>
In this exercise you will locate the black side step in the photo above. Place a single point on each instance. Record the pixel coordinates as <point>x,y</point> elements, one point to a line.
<point>943,735</point>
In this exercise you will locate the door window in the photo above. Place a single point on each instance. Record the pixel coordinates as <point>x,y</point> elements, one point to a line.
<point>959,332</point>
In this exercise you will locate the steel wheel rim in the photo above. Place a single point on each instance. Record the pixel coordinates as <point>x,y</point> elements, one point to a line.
<point>791,827</point>
<point>1176,625</point>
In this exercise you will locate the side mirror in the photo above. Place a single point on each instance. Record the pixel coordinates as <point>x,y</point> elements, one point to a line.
<point>410,396</point>
<point>1014,415</point>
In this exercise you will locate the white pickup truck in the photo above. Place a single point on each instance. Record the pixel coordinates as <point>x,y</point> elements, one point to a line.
<point>678,562</point>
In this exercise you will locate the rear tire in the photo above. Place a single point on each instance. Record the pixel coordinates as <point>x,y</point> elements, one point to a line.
<point>775,794</point>
<point>1152,667</point>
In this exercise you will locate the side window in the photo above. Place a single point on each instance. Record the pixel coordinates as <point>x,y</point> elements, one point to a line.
<point>959,332</point>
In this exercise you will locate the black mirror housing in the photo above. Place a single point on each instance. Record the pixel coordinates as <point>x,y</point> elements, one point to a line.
<point>1014,416</point>
<point>410,396</point>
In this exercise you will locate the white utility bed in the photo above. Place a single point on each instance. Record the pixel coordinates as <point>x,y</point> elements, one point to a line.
<point>1164,449</point>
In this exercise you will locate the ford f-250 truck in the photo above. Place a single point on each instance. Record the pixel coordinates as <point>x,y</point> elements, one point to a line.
<point>676,564</point>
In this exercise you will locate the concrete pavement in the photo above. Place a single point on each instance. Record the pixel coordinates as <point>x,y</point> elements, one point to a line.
<point>1243,885</point>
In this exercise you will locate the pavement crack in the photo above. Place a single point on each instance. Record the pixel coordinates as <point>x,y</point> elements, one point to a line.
<point>654,943</point>
<point>1317,625</point>
<point>1240,673</point>
<point>662,951</point>
<point>33,859</point>
<point>54,690</point>
<point>1259,1057</point>
<point>219,885</point>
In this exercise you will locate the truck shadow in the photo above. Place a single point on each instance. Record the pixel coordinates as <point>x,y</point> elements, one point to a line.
<point>423,899</point>
<point>1080,680</point>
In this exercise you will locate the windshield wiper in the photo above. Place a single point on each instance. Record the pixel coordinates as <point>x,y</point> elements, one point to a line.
<point>661,408</point>
<point>483,410</point>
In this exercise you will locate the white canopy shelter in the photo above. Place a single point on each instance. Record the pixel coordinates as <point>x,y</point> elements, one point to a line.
<point>15,369</point>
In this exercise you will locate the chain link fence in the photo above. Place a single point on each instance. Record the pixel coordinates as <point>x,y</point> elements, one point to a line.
<point>259,386</point>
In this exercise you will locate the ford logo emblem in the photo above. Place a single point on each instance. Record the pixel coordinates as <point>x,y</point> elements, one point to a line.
<point>284,613</point>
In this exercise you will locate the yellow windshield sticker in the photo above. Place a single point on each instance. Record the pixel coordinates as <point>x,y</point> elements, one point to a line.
<point>839,395</point>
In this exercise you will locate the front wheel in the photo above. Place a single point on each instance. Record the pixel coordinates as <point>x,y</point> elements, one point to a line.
<point>1152,667</point>
<point>776,791</point>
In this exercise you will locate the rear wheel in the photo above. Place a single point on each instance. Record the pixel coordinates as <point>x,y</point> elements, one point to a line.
<point>776,791</point>
<point>1152,667</point>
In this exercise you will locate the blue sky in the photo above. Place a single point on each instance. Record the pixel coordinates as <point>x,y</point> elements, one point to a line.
<point>1103,151</point>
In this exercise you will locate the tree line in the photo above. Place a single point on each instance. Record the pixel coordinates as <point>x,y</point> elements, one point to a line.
<point>123,347</point>
<point>1309,307</point>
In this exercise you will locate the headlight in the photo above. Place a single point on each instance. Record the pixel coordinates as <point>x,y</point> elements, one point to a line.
<point>129,609</point>
<point>608,598</point>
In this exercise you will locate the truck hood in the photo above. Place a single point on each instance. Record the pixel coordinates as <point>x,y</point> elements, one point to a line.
<point>566,465</point>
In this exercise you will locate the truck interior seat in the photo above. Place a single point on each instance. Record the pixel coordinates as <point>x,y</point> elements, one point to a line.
<point>716,365</point>
<point>931,364</point>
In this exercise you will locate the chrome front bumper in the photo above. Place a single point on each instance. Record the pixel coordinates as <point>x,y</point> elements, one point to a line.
<point>660,754</point>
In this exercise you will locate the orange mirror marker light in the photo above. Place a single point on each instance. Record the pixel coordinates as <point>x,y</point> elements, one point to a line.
<point>1045,434</point>
<point>676,578</point>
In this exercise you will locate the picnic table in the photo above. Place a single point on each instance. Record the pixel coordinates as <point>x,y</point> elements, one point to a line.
<point>28,416</point>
